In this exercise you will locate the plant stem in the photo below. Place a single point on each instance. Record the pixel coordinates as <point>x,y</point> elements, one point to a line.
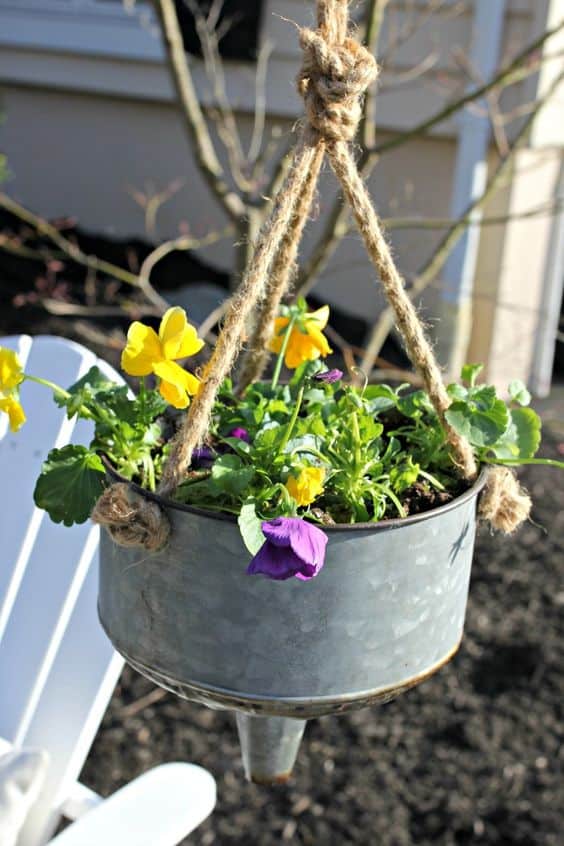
<point>282,353</point>
<point>84,412</point>
<point>357,441</point>
<point>55,388</point>
<point>292,423</point>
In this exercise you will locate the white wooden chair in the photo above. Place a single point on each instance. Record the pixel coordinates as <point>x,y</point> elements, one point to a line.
<point>57,669</point>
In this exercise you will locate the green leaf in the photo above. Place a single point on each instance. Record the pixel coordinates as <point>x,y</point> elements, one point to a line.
<point>519,393</point>
<point>404,476</point>
<point>304,442</point>
<point>470,373</point>
<point>484,397</point>
<point>231,475</point>
<point>482,429</point>
<point>269,438</point>
<point>523,436</point>
<point>250,527</point>
<point>71,481</point>
<point>238,445</point>
<point>457,392</point>
<point>86,390</point>
<point>414,404</point>
<point>379,398</point>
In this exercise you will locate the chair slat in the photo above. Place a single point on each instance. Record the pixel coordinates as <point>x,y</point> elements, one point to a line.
<point>57,668</point>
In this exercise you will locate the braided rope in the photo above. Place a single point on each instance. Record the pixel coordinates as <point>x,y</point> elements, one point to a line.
<point>336,72</point>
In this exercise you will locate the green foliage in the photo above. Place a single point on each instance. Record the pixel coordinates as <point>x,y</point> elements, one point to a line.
<point>129,431</point>
<point>250,527</point>
<point>378,447</point>
<point>71,481</point>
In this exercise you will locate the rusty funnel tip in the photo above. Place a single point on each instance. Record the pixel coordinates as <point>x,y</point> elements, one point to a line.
<point>269,746</point>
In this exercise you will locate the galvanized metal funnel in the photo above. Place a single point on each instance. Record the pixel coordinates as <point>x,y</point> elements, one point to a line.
<point>386,611</point>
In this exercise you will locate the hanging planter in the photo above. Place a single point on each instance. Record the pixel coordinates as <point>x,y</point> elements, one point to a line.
<point>385,613</point>
<point>272,557</point>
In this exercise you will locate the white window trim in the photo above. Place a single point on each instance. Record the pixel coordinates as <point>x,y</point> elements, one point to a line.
<point>101,48</point>
<point>83,27</point>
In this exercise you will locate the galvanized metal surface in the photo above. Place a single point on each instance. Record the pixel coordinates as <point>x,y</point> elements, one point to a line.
<point>386,611</point>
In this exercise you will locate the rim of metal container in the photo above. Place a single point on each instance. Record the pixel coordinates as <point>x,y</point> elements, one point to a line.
<point>382,525</point>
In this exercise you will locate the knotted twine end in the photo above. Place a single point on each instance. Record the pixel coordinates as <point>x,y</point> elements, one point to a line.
<point>131,519</point>
<point>333,81</point>
<point>504,503</point>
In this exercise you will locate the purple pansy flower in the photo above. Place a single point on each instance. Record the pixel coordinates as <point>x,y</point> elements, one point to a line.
<point>329,376</point>
<point>240,433</point>
<point>202,458</point>
<point>292,548</point>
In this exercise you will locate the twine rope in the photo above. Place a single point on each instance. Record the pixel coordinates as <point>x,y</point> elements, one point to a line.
<point>336,72</point>
<point>281,278</point>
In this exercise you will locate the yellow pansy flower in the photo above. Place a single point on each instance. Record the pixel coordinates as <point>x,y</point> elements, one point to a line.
<point>307,341</point>
<point>146,353</point>
<point>16,415</point>
<point>307,486</point>
<point>11,373</point>
<point>11,376</point>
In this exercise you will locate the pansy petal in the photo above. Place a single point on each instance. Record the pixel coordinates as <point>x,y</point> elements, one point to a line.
<point>279,530</point>
<point>15,412</point>
<point>319,317</point>
<point>174,373</point>
<point>275,563</point>
<point>278,337</point>
<point>300,349</point>
<point>309,543</point>
<point>11,373</point>
<point>175,396</point>
<point>179,338</point>
<point>143,349</point>
<point>309,572</point>
<point>318,339</point>
<point>307,486</point>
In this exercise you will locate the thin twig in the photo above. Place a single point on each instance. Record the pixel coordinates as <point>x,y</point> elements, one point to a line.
<point>214,317</point>
<point>194,120</point>
<point>374,21</point>
<point>259,122</point>
<point>70,249</point>
<point>222,113</point>
<point>143,702</point>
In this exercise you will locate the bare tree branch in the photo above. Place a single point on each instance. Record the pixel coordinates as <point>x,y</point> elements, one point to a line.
<point>374,21</point>
<point>71,250</point>
<point>439,257</point>
<point>194,120</point>
<point>336,225</point>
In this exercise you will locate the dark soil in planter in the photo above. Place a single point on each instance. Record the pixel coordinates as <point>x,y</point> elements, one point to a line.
<point>473,756</point>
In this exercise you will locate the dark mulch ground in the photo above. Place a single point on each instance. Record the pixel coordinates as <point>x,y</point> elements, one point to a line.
<point>474,756</point>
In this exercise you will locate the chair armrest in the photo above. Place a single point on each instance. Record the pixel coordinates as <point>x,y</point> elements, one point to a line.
<point>157,809</point>
<point>80,801</point>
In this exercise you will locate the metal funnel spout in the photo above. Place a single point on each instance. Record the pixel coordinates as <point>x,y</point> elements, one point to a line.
<point>269,746</point>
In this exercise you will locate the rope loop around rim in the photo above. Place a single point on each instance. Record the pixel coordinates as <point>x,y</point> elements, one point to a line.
<point>333,81</point>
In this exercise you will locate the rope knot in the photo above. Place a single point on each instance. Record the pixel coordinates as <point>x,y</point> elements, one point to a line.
<point>130,519</point>
<point>333,81</point>
<point>504,503</point>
